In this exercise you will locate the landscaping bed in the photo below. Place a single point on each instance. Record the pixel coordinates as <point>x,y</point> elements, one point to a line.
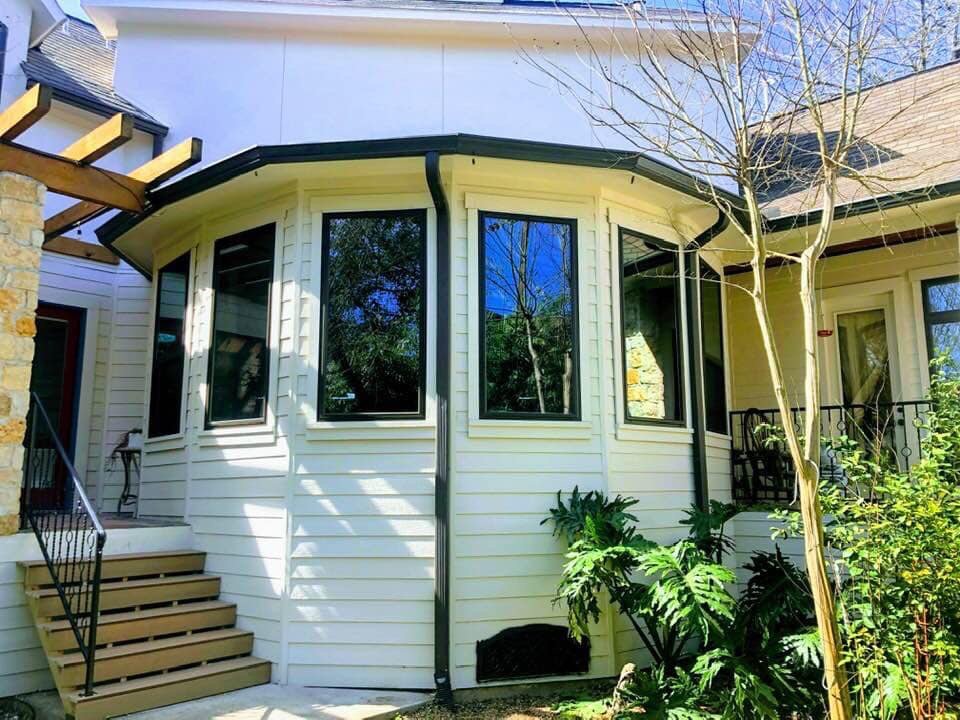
<point>586,706</point>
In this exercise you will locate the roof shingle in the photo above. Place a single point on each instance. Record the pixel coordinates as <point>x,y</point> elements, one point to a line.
<point>909,140</point>
<point>78,63</point>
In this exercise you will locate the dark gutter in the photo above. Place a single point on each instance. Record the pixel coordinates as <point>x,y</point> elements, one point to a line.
<point>460,144</point>
<point>863,207</point>
<point>441,604</point>
<point>701,478</point>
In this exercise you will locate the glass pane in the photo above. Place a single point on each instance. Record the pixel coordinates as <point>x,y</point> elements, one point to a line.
<point>166,387</point>
<point>374,276</point>
<point>946,341</point>
<point>243,272</point>
<point>48,374</point>
<point>711,321</point>
<point>651,330</point>
<point>529,319</point>
<point>864,357</point>
<point>943,295</point>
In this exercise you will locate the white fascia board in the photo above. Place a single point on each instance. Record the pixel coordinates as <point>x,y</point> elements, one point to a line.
<point>489,18</point>
<point>46,16</point>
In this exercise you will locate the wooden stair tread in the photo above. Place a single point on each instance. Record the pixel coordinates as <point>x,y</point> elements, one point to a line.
<point>117,567</point>
<point>170,678</point>
<point>110,585</point>
<point>125,556</point>
<point>122,617</point>
<point>76,658</point>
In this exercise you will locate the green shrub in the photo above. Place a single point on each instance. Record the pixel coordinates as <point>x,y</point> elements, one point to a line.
<point>712,656</point>
<point>894,537</point>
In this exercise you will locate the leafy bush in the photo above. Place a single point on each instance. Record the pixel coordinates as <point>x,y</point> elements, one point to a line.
<point>894,537</point>
<point>713,656</point>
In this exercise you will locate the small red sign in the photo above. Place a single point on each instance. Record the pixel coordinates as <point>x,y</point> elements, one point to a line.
<point>824,333</point>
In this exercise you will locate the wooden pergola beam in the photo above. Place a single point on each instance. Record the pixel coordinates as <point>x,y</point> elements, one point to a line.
<point>162,167</point>
<point>103,139</point>
<point>24,111</point>
<point>66,177</point>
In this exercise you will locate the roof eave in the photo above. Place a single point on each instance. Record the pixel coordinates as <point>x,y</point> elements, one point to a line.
<point>866,206</point>
<point>461,144</point>
<point>47,16</point>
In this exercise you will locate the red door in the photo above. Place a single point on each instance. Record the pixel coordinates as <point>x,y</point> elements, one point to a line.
<point>54,379</point>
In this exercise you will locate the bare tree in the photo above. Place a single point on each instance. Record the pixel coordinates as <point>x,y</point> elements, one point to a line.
<point>762,98</point>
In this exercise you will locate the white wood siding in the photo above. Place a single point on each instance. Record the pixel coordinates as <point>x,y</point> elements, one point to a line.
<point>324,532</point>
<point>361,564</point>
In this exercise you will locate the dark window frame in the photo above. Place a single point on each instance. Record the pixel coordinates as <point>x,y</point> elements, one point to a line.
<point>189,254</point>
<point>943,316</point>
<point>681,348</point>
<point>210,424</point>
<point>421,413</point>
<point>708,275</point>
<point>576,394</point>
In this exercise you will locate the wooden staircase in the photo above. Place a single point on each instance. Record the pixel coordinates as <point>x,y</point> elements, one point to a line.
<point>163,636</point>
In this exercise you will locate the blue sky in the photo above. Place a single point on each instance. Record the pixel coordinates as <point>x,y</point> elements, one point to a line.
<point>72,7</point>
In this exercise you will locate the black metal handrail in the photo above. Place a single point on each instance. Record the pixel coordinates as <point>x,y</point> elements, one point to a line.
<point>763,471</point>
<point>67,528</point>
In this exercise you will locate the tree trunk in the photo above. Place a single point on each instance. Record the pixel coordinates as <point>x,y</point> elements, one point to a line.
<point>808,478</point>
<point>806,457</point>
<point>527,315</point>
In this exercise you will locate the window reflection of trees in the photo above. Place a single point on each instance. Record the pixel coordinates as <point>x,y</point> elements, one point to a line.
<point>374,281</point>
<point>529,316</point>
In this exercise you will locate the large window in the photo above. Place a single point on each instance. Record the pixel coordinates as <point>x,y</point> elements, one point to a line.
<point>239,352</point>
<point>166,385</point>
<point>650,317</point>
<point>711,328</point>
<point>372,344</point>
<point>528,331</point>
<point>941,315</point>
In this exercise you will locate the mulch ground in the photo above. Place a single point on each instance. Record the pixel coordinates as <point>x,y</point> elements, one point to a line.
<point>514,708</point>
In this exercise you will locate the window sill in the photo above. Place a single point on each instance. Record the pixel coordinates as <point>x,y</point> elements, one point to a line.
<point>531,429</point>
<point>655,433</point>
<point>718,439</point>
<point>259,434</point>
<point>326,430</point>
<point>164,442</point>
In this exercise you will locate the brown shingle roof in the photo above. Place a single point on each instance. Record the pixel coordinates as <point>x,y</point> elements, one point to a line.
<point>910,133</point>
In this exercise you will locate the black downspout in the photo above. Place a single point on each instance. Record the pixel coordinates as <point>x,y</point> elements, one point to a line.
<point>701,479</point>
<point>441,605</point>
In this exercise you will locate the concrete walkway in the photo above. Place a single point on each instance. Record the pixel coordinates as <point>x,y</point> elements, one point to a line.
<point>269,702</point>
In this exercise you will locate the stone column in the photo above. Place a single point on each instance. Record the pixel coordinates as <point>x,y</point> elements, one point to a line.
<point>21,238</point>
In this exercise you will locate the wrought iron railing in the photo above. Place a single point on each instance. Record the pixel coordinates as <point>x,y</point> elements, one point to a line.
<point>763,471</point>
<point>68,530</point>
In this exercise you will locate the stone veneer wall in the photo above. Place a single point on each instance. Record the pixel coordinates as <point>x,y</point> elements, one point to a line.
<point>21,238</point>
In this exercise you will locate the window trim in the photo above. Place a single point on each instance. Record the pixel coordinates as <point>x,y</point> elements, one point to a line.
<point>210,424</point>
<point>512,415</point>
<point>703,265</point>
<point>421,413</point>
<point>680,422</point>
<point>928,315</point>
<point>187,308</point>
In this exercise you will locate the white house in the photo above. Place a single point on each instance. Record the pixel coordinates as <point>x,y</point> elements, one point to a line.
<point>410,296</point>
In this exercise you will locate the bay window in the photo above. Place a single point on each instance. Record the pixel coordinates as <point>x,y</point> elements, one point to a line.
<point>373,297</point>
<point>650,329</point>
<point>711,328</point>
<point>529,364</point>
<point>240,338</point>
<point>169,352</point>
